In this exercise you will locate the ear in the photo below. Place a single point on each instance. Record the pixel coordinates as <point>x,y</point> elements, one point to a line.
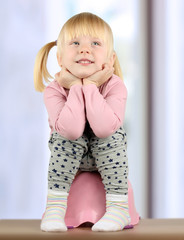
<point>59,59</point>
<point>112,59</point>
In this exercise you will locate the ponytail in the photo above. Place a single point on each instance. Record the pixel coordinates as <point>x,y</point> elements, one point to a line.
<point>117,68</point>
<point>40,67</point>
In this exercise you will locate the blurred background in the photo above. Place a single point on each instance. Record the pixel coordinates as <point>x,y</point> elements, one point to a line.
<point>149,41</point>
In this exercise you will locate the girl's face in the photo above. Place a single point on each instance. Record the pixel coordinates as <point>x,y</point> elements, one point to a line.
<point>84,55</point>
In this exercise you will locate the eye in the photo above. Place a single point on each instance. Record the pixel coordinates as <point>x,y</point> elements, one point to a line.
<point>95,43</point>
<point>75,43</point>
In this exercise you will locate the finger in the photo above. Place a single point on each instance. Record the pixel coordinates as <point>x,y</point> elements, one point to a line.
<point>109,72</point>
<point>108,68</point>
<point>104,66</point>
<point>57,75</point>
<point>65,69</point>
<point>107,65</point>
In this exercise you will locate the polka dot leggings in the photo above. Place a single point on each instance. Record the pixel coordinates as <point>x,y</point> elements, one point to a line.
<point>107,155</point>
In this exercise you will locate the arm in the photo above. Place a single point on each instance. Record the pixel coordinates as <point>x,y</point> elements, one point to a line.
<point>105,113</point>
<point>66,113</point>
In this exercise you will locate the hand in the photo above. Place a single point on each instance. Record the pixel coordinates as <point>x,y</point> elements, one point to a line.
<point>99,77</point>
<point>66,79</point>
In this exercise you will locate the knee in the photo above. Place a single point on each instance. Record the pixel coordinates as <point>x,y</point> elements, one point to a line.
<point>58,142</point>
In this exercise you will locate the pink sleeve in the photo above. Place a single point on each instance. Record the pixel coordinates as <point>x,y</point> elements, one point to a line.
<point>66,113</point>
<point>105,113</point>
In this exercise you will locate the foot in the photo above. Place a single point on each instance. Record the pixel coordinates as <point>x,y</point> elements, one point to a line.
<point>53,218</point>
<point>115,219</point>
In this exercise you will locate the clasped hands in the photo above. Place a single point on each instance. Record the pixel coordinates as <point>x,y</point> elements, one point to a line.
<point>66,79</point>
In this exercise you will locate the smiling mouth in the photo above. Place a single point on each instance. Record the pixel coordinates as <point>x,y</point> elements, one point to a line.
<point>84,61</point>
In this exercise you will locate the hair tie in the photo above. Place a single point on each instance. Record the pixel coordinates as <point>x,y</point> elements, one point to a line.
<point>56,42</point>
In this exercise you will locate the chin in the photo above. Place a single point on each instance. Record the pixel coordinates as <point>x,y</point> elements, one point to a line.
<point>82,75</point>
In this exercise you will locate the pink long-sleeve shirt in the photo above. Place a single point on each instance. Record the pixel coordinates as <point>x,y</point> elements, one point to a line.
<point>103,108</point>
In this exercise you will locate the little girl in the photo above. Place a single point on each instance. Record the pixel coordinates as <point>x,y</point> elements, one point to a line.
<point>86,107</point>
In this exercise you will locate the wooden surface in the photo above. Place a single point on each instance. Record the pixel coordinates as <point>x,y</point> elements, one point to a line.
<point>146,229</point>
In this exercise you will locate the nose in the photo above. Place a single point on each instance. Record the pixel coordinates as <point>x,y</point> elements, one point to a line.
<point>85,49</point>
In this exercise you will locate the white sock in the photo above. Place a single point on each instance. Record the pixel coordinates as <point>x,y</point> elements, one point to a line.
<point>116,216</point>
<point>53,218</point>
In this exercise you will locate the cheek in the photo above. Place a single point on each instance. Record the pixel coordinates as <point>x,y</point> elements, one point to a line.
<point>103,58</point>
<point>66,61</point>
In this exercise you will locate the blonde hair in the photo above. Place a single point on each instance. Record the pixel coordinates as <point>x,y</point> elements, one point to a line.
<point>83,24</point>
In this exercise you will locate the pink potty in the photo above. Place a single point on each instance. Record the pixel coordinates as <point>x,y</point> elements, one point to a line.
<point>86,201</point>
